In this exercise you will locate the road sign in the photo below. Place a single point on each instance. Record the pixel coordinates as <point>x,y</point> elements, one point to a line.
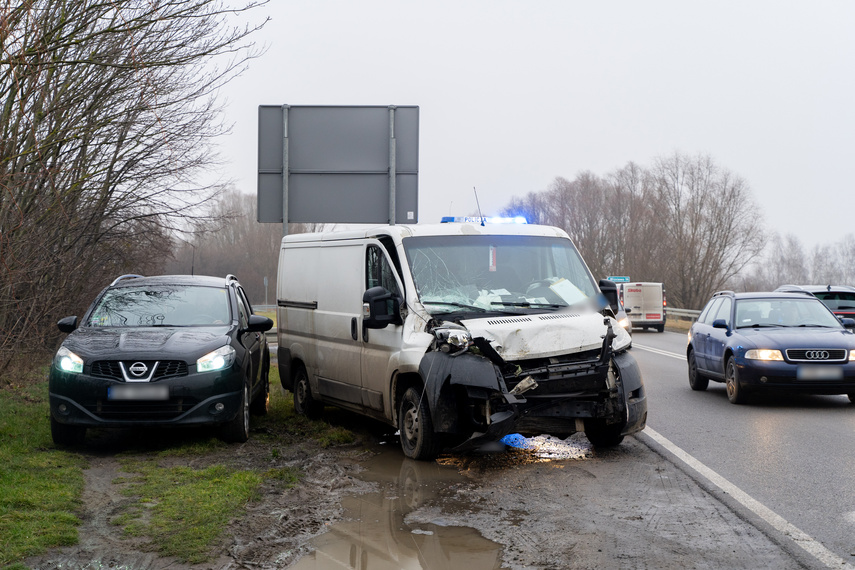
<point>338,164</point>
<point>618,279</point>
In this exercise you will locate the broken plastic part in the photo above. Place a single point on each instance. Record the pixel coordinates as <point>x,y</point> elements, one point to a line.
<point>526,384</point>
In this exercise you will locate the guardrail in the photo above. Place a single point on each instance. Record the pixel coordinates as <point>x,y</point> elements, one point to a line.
<point>683,314</point>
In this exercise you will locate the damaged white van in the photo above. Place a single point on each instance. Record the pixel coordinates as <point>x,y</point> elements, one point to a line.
<point>456,333</point>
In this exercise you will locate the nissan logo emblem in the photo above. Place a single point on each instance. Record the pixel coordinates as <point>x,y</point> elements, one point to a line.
<point>139,368</point>
<point>817,355</point>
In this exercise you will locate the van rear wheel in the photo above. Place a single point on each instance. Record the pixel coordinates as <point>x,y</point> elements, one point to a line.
<point>418,440</point>
<point>304,403</point>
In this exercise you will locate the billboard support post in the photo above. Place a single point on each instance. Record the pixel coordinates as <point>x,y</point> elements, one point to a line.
<point>285,170</point>
<point>392,162</point>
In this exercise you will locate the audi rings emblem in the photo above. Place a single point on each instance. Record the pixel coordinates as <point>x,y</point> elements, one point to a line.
<point>817,355</point>
<point>139,368</point>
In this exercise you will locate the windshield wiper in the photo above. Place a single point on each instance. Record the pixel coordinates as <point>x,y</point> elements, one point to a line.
<point>453,304</point>
<point>525,304</point>
<point>818,326</point>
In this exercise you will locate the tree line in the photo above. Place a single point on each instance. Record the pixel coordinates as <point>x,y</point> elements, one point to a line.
<point>108,111</point>
<point>685,221</point>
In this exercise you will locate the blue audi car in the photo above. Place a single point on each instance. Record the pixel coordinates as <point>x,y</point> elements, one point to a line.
<point>758,341</point>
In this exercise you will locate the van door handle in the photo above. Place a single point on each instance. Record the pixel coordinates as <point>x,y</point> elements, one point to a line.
<point>353,329</point>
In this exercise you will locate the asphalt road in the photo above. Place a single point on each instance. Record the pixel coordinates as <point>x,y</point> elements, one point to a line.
<point>786,462</point>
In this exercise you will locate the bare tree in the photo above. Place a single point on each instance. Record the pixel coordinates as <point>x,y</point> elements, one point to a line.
<point>231,241</point>
<point>107,112</point>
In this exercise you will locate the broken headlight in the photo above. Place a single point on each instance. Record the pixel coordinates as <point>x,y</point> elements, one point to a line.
<point>452,339</point>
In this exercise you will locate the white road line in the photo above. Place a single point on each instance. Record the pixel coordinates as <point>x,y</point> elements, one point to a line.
<point>808,544</point>
<point>660,351</point>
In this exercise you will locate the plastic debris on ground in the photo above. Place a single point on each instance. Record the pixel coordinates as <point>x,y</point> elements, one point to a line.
<point>549,447</point>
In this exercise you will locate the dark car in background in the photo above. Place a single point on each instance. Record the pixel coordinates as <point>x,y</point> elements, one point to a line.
<point>161,351</point>
<point>776,340</point>
<point>839,298</point>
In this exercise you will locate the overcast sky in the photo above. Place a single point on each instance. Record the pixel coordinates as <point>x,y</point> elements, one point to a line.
<point>514,94</point>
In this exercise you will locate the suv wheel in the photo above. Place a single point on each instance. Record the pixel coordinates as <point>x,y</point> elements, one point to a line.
<point>64,434</point>
<point>237,430</point>
<point>261,403</point>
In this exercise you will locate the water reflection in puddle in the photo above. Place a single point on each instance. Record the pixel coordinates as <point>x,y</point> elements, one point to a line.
<point>374,536</point>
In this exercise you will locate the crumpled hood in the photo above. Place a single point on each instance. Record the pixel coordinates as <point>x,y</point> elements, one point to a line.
<point>146,342</point>
<point>523,337</point>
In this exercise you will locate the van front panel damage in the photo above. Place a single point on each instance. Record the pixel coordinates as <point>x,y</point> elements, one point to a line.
<point>476,395</point>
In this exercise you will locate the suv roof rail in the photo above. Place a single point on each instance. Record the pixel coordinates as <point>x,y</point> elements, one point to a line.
<point>725,292</point>
<point>126,276</point>
<point>230,277</point>
<point>790,288</point>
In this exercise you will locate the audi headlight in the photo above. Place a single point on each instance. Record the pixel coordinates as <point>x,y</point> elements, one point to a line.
<point>67,361</point>
<point>221,358</point>
<point>764,354</point>
<point>852,355</point>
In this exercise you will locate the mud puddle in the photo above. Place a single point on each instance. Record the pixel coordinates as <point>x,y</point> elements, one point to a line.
<point>376,533</point>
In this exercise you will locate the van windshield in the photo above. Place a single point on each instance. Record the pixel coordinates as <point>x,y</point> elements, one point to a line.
<point>481,273</point>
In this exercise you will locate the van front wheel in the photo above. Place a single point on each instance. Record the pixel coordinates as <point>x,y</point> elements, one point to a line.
<point>418,439</point>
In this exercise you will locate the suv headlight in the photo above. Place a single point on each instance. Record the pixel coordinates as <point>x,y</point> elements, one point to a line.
<point>221,358</point>
<point>67,361</point>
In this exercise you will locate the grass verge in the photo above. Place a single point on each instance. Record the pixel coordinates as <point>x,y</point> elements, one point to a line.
<point>41,486</point>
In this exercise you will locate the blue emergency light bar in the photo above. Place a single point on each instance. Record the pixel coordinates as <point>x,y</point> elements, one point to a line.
<point>483,220</point>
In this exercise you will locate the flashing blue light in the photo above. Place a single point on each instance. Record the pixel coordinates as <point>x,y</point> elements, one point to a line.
<point>483,220</point>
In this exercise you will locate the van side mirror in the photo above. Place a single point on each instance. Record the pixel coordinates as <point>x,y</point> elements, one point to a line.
<point>380,308</point>
<point>67,325</point>
<point>609,289</point>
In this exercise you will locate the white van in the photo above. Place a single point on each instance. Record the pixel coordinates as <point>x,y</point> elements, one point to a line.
<point>644,304</point>
<point>456,333</point>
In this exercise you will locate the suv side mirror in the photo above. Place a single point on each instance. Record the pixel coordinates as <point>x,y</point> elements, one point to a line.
<point>380,308</point>
<point>719,324</point>
<point>257,323</point>
<point>848,323</point>
<point>67,325</point>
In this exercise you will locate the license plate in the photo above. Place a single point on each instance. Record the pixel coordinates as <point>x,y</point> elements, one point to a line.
<point>807,372</point>
<point>138,392</point>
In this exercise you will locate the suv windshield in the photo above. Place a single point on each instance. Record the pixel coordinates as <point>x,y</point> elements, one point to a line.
<point>161,305</point>
<point>784,313</point>
<point>496,273</point>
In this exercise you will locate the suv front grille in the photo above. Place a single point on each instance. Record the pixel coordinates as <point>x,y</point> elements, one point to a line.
<point>165,368</point>
<point>816,355</point>
<point>142,410</point>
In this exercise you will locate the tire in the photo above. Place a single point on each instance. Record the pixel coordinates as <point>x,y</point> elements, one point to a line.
<point>601,434</point>
<point>851,397</point>
<point>237,430</point>
<point>735,393</point>
<point>261,403</point>
<point>304,403</point>
<point>660,328</point>
<point>65,434</point>
<point>418,440</point>
<point>697,381</point>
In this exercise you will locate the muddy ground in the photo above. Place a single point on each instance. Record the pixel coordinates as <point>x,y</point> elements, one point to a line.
<point>365,506</point>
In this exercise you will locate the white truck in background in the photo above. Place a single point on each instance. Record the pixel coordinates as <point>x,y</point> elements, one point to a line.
<point>645,304</point>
